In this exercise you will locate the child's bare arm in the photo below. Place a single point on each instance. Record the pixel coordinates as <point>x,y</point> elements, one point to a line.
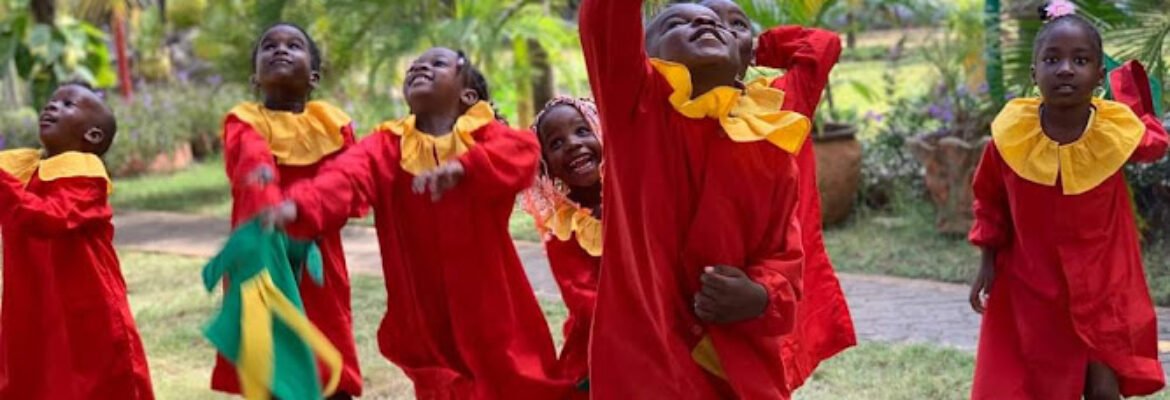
<point>613,42</point>
<point>72,203</point>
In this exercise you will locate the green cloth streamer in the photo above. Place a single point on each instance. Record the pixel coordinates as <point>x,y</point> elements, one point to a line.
<point>251,256</point>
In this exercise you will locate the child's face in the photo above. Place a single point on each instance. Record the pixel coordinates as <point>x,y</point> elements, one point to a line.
<point>433,80</point>
<point>68,120</point>
<point>692,35</point>
<point>571,149</point>
<point>738,22</point>
<point>1067,66</point>
<point>284,61</point>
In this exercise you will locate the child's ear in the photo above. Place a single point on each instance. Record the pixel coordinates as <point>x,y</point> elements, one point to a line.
<point>469,97</point>
<point>314,79</point>
<point>255,82</point>
<point>94,136</point>
<point>1033,73</point>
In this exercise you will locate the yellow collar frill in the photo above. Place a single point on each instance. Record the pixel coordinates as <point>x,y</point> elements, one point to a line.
<point>22,163</point>
<point>749,115</point>
<point>570,219</point>
<point>297,138</point>
<point>1112,135</point>
<point>422,152</point>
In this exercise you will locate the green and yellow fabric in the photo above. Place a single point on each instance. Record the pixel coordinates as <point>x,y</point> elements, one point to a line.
<point>262,326</point>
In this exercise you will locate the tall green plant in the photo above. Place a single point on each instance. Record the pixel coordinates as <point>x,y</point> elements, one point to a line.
<point>47,55</point>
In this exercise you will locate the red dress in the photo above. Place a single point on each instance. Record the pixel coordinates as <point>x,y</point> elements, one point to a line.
<point>462,320</point>
<point>67,331</point>
<point>682,192</point>
<point>576,273</point>
<point>302,143</point>
<point>1069,287</point>
<point>824,326</point>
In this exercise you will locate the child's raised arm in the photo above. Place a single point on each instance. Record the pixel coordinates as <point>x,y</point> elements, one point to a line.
<point>613,41</point>
<point>244,153</point>
<point>808,56</point>
<point>328,200</point>
<point>1131,86</point>
<point>502,163</point>
<point>72,203</point>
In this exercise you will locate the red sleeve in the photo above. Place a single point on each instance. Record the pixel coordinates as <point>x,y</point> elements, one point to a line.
<point>71,203</point>
<point>993,227</point>
<point>244,150</point>
<point>613,43</point>
<point>502,162</point>
<point>779,268</point>
<point>808,56</point>
<point>326,202</point>
<point>360,205</point>
<point>1131,86</point>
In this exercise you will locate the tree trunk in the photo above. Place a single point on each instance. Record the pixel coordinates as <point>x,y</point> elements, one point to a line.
<point>543,84</point>
<point>125,82</point>
<point>43,11</point>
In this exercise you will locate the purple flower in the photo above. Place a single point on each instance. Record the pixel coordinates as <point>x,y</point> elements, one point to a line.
<point>147,99</point>
<point>214,80</point>
<point>983,88</point>
<point>134,134</point>
<point>183,76</point>
<point>1009,96</point>
<point>3,142</point>
<point>874,116</point>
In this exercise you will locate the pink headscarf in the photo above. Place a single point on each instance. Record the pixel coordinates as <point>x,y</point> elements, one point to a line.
<point>541,200</point>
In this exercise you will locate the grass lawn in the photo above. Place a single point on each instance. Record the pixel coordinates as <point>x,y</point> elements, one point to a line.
<point>906,245</point>
<point>170,307</point>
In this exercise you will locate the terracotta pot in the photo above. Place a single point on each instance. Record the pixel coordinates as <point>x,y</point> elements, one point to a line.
<point>838,170</point>
<point>163,163</point>
<point>950,165</point>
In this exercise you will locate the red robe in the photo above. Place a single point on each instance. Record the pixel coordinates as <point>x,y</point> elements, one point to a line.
<point>680,195</point>
<point>328,305</point>
<point>462,320</point>
<point>824,326</point>
<point>1069,287</point>
<point>67,328</point>
<point>576,274</point>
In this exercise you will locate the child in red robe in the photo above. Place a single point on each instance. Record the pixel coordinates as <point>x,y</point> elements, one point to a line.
<point>566,204</point>
<point>67,328</point>
<point>462,321</point>
<point>807,56</point>
<point>703,257</point>
<point>291,138</point>
<point>1066,310</point>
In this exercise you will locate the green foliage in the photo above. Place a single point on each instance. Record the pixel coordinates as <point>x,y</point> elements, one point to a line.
<point>193,115</point>
<point>47,55</point>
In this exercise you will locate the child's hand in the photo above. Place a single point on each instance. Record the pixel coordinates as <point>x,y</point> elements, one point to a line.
<point>728,295</point>
<point>981,288</point>
<point>439,180</point>
<point>261,176</point>
<point>279,215</point>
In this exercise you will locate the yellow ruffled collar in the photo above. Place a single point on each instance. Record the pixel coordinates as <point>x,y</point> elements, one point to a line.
<point>422,152</point>
<point>1111,137</point>
<point>568,219</point>
<point>22,163</point>
<point>297,138</point>
<point>749,115</point>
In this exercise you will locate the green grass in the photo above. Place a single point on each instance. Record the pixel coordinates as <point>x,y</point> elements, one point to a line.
<point>170,307</point>
<point>906,245</point>
<point>203,189</point>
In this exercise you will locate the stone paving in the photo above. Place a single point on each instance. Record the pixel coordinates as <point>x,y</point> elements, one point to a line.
<point>885,309</point>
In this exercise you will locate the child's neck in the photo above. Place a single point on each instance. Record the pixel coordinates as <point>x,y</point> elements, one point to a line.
<point>704,79</point>
<point>280,101</point>
<point>589,197</point>
<point>436,123</point>
<point>1065,124</point>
